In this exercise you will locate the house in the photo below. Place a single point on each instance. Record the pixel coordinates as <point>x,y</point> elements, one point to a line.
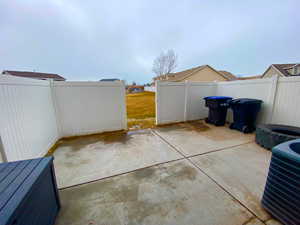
<point>250,77</point>
<point>110,79</point>
<point>282,70</point>
<point>201,73</point>
<point>34,75</point>
<point>134,88</point>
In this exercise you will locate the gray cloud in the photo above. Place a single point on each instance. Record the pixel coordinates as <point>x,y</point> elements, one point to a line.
<point>89,40</point>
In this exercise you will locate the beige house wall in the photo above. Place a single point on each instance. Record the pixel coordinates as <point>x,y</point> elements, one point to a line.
<point>206,74</point>
<point>271,72</point>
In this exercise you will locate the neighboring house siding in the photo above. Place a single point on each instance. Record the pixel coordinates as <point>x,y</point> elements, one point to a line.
<point>206,74</point>
<point>272,72</point>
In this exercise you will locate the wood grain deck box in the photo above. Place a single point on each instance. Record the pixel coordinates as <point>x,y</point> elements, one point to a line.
<point>28,192</point>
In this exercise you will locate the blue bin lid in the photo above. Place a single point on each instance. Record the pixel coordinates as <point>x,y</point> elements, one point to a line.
<point>218,97</point>
<point>246,101</point>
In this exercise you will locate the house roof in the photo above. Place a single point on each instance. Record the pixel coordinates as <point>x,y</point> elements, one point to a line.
<point>134,86</point>
<point>36,75</point>
<point>227,74</point>
<point>183,74</point>
<point>110,79</point>
<point>250,77</point>
<point>179,76</point>
<point>282,68</point>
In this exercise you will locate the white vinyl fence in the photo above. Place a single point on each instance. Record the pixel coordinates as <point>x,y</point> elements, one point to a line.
<point>183,101</point>
<point>286,109</point>
<point>90,107</point>
<point>151,89</point>
<point>27,119</point>
<point>34,114</point>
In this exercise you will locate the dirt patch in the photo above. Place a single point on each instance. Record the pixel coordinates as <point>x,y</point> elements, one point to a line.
<point>136,124</point>
<point>78,143</point>
<point>198,126</point>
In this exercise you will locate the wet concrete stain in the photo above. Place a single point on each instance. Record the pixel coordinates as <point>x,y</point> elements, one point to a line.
<point>79,143</point>
<point>141,210</point>
<point>144,173</point>
<point>197,125</point>
<point>181,172</point>
<point>75,163</point>
<point>82,203</point>
<point>186,172</point>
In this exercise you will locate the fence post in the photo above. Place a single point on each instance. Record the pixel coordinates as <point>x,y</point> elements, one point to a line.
<point>124,110</point>
<point>157,92</point>
<point>2,151</point>
<point>54,105</point>
<point>272,96</point>
<point>186,99</point>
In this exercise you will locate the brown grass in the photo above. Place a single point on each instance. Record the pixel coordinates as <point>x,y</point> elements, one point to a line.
<point>141,110</point>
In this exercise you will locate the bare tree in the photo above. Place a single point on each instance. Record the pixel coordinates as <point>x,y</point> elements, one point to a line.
<point>165,63</point>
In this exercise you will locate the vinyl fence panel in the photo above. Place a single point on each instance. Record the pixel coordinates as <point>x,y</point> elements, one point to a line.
<point>27,119</point>
<point>170,102</point>
<point>258,89</point>
<point>287,102</point>
<point>195,103</point>
<point>90,107</point>
<point>182,101</point>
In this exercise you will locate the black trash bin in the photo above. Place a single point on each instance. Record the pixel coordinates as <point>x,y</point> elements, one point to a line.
<point>218,106</point>
<point>245,111</point>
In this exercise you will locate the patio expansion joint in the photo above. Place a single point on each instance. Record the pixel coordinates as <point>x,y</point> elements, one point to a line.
<point>220,149</point>
<point>120,174</point>
<point>188,158</point>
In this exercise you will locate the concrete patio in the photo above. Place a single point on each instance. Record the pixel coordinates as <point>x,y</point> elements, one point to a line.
<point>186,173</point>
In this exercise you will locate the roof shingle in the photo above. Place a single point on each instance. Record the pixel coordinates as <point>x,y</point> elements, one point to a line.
<point>35,75</point>
<point>179,76</point>
<point>283,68</point>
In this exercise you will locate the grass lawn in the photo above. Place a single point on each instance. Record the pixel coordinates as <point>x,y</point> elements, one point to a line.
<point>141,110</point>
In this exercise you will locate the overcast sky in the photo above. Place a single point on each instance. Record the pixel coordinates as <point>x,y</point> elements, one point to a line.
<point>90,40</point>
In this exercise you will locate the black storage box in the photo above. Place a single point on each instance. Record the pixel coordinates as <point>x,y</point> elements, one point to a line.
<point>28,192</point>
<point>245,111</point>
<point>217,109</point>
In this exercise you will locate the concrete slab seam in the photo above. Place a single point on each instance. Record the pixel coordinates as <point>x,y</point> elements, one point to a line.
<point>119,174</point>
<point>188,158</point>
